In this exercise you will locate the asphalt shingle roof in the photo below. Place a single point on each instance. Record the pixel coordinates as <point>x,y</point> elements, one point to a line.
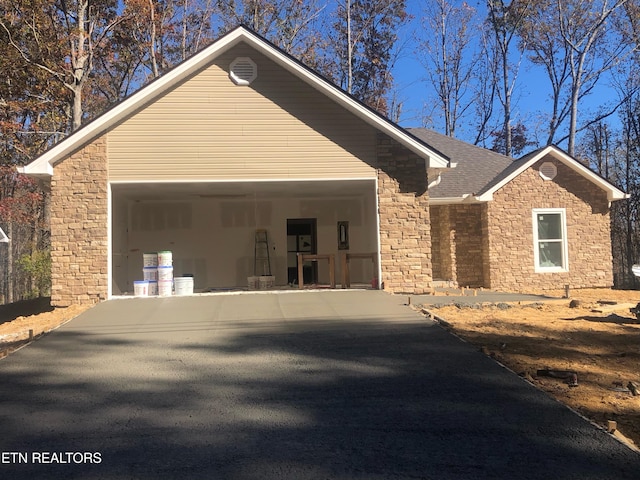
<point>512,167</point>
<point>476,169</point>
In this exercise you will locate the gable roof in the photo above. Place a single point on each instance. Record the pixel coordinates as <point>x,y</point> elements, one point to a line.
<point>43,165</point>
<point>479,172</point>
<point>3,237</point>
<point>520,165</point>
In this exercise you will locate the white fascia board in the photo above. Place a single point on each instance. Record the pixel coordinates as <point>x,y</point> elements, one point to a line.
<point>37,168</point>
<point>43,165</point>
<point>3,237</point>
<point>613,193</point>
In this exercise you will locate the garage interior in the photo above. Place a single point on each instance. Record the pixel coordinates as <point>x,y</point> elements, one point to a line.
<point>210,228</point>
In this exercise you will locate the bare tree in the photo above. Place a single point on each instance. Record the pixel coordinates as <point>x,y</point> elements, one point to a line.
<point>598,137</point>
<point>485,90</point>
<point>625,215</point>
<point>576,41</point>
<point>290,24</point>
<point>363,38</point>
<point>504,21</point>
<point>450,57</point>
<point>615,154</point>
<point>62,38</point>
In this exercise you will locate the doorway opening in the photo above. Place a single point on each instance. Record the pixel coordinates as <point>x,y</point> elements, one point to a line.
<point>301,238</point>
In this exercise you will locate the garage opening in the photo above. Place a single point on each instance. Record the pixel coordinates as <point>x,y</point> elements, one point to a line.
<point>210,229</point>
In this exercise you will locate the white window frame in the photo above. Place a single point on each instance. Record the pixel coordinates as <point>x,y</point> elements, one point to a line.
<point>565,249</point>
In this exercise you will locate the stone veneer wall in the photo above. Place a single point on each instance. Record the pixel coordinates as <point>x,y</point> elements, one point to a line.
<point>456,232</point>
<point>510,231</point>
<point>466,227</point>
<point>442,247</point>
<point>438,242</point>
<point>79,227</point>
<point>403,207</point>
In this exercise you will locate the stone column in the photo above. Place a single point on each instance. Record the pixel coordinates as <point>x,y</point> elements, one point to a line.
<point>79,227</point>
<point>403,208</point>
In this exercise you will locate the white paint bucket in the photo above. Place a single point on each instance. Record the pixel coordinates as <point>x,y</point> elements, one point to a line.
<point>165,273</point>
<point>183,285</point>
<point>150,259</point>
<point>165,258</point>
<point>165,288</point>
<point>140,288</point>
<point>153,287</point>
<point>150,273</point>
<point>253,283</point>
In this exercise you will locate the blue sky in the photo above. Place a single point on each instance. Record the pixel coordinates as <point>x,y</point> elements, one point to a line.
<point>531,97</point>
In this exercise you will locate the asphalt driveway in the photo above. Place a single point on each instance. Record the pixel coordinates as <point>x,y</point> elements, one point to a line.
<point>326,385</point>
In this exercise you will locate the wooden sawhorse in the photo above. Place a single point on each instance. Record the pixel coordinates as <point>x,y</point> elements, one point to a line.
<point>346,258</point>
<point>304,257</point>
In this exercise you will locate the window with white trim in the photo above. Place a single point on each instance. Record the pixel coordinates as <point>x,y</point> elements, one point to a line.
<point>550,240</point>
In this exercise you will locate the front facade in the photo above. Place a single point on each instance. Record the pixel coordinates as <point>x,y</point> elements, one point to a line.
<point>242,138</point>
<point>497,244</point>
<point>198,166</point>
<point>538,223</point>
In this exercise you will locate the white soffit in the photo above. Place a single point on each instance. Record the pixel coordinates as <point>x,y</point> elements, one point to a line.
<point>43,165</point>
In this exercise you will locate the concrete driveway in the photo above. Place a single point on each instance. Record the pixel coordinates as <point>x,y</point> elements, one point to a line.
<point>326,385</point>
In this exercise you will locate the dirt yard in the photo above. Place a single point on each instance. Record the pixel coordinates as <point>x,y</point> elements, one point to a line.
<point>21,322</point>
<point>598,339</point>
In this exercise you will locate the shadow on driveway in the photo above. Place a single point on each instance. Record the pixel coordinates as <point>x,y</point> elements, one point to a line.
<point>330,385</point>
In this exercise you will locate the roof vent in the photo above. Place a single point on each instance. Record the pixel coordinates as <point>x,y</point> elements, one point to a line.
<point>243,71</point>
<point>548,171</point>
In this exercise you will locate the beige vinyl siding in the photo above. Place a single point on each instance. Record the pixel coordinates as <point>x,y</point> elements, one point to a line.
<point>208,128</point>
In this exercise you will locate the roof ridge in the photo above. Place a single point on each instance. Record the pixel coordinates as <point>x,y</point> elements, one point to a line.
<point>455,139</point>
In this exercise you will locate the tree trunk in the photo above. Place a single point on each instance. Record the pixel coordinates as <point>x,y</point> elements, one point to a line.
<point>349,49</point>
<point>573,118</point>
<point>154,61</point>
<point>9,296</point>
<point>629,229</point>
<point>80,61</point>
<point>507,102</point>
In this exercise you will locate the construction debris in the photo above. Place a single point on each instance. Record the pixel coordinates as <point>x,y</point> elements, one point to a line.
<point>619,388</point>
<point>568,375</point>
<point>609,308</point>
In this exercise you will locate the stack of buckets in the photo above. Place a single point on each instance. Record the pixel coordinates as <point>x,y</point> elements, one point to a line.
<point>158,272</point>
<point>158,277</point>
